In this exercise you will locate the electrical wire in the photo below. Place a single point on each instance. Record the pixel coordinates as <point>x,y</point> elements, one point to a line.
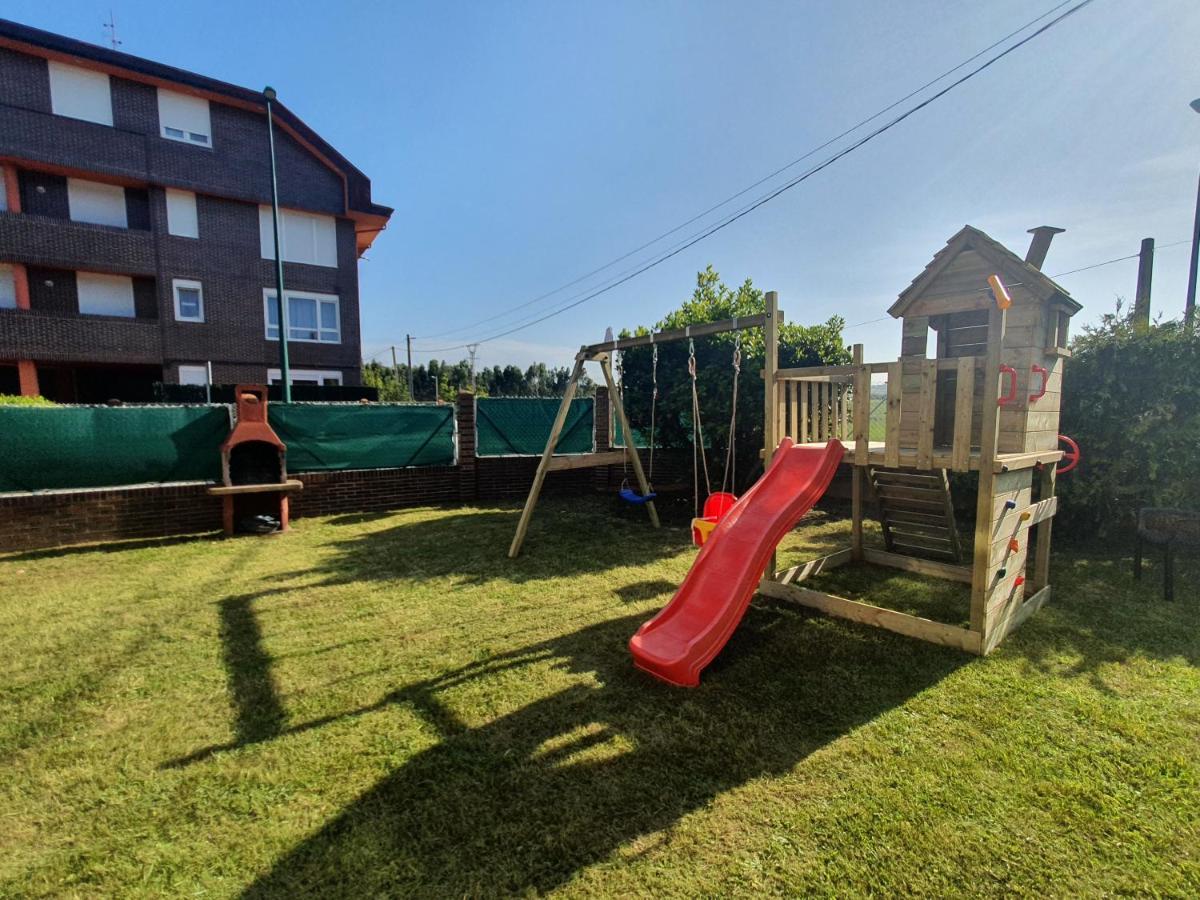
<point>790,165</point>
<point>771,195</point>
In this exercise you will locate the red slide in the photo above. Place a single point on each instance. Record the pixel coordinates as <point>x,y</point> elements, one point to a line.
<point>691,630</point>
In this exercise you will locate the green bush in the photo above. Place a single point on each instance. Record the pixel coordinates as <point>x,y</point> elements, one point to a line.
<point>713,301</point>
<point>1132,400</point>
<point>14,400</point>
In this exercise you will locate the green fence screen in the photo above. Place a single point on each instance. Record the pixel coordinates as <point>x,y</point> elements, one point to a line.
<point>84,446</point>
<point>324,438</point>
<point>520,426</point>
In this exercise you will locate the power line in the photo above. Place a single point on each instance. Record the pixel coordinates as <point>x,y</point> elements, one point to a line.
<point>771,195</point>
<point>795,162</point>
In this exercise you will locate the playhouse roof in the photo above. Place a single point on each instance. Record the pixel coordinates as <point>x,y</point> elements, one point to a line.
<point>1011,268</point>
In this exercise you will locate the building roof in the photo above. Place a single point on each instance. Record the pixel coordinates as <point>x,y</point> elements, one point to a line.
<point>1011,267</point>
<point>358,186</point>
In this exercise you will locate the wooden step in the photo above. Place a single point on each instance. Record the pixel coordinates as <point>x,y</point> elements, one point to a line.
<point>916,513</point>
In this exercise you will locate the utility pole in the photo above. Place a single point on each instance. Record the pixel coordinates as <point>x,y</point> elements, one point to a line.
<point>1189,308</point>
<point>471,348</point>
<point>408,341</point>
<point>1141,302</point>
<point>396,370</point>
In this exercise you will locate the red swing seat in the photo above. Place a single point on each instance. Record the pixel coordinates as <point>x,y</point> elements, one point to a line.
<point>715,507</point>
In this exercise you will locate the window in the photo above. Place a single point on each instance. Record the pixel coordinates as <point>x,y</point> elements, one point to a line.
<point>80,94</point>
<point>311,317</point>
<point>189,300</point>
<point>193,375</point>
<point>105,295</point>
<point>303,237</point>
<point>183,117</point>
<point>305,376</point>
<point>181,214</point>
<point>8,288</point>
<point>101,204</point>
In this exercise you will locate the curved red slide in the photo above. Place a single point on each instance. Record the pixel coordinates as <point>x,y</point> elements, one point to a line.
<point>691,630</point>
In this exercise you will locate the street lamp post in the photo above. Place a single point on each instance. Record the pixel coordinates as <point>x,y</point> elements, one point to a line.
<point>1189,306</point>
<point>280,315</point>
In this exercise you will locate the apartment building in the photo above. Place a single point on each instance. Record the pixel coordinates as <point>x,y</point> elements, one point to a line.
<point>135,229</point>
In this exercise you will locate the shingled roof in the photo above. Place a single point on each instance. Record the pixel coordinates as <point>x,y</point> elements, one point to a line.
<point>1011,268</point>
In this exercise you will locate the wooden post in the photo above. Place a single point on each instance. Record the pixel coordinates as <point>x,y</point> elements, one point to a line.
<point>1141,302</point>
<point>770,393</point>
<point>635,460</point>
<point>770,365</point>
<point>997,319</point>
<point>543,466</point>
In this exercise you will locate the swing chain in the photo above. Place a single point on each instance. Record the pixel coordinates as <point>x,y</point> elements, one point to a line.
<point>730,473</point>
<point>699,459</point>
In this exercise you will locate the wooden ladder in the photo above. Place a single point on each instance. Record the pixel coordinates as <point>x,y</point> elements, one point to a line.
<point>916,513</point>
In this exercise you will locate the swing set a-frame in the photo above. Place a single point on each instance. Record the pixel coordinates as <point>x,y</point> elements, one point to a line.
<point>603,353</point>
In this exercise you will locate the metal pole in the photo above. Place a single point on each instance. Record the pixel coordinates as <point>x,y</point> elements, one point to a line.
<point>208,382</point>
<point>280,307</point>
<point>472,348</point>
<point>396,370</point>
<point>408,341</point>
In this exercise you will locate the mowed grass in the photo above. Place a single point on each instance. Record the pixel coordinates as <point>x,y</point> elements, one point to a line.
<point>386,705</point>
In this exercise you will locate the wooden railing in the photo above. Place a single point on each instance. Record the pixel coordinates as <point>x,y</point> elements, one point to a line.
<point>822,402</point>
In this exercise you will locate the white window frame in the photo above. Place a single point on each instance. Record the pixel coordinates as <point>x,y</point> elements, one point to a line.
<point>172,132</point>
<point>192,371</point>
<point>97,203</point>
<point>176,284</point>
<point>112,285</point>
<point>75,93</point>
<point>275,377</point>
<point>319,233</point>
<point>183,219</point>
<point>289,295</point>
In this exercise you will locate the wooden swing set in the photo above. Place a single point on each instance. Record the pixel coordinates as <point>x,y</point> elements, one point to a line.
<point>603,353</point>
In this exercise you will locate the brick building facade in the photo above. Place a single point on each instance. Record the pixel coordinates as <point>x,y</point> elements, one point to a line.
<point>135,241</point>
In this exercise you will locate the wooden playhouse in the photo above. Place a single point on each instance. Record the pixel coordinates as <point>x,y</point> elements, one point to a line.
<point>986,400</point>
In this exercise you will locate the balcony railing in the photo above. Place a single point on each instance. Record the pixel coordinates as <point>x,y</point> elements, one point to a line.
<point>44,336</point>
<point>64,244</point>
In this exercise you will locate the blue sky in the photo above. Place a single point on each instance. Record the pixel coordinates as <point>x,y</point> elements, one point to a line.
<point>524,144</point>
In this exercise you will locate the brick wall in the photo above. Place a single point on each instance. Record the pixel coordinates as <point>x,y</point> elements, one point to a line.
<point>52,519</point>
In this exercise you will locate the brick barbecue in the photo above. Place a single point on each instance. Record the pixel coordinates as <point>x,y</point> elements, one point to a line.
<point>254,479</point>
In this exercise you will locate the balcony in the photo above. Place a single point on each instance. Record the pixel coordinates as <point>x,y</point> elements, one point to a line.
<point>62,337</point>
<point>63,244</point>
<point>60,141</point>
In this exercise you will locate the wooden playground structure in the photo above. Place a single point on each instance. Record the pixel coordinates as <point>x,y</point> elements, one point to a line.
<point>987,401</point>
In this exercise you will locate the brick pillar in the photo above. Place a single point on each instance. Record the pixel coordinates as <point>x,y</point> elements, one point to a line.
<point>603,436</point>
<point>467,486</point>
<point>26,370</point>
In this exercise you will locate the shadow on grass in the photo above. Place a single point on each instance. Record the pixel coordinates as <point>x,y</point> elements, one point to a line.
<point>565,540</point>
<point>259,713</point>
<point>524,801</point>
<point>110,547</point>
<point>1099,615</point>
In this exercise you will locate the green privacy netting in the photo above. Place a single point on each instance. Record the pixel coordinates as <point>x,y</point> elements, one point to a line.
<point>520,426</point>
<point>323,438</point>
<point>86,446</point>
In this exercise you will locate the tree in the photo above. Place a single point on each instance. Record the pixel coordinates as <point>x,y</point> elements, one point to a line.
<point>440,380</point>
<point>713,301</point>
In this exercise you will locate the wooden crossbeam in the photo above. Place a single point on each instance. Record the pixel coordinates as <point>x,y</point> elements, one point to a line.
<point>889,619</point>
<point>587,460</point>
<point>590,351</point>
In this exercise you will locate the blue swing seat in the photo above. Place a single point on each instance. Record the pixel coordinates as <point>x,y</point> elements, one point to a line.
<point>629,495</point>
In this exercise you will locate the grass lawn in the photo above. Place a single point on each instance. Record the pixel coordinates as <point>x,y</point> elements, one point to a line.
<point>385,705</point>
